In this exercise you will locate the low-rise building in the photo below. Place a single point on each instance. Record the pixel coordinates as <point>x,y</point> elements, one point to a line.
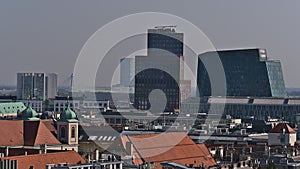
<point>153,149</point>
<point>37,105</point>
<point>96,165</point>
<point>41,161</point>
<point>282,134</point>
<point>11,109</point>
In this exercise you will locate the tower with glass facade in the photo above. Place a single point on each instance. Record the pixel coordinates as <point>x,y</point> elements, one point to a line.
<point>160,69</point>
<point>248,72</point>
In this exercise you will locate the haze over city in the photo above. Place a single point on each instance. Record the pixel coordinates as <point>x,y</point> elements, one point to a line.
<point>48,36</point>
<point>149,84</point>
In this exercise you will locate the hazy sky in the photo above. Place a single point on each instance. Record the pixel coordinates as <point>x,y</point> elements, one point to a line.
<point>47,36</point>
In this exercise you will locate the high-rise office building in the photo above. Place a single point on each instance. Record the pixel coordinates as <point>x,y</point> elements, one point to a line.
<point>127,71</point>
<point>248,72</point>
<point>160,69</point>
<point>38,86</point>
<point>51,85</point>
<point>164,38</point>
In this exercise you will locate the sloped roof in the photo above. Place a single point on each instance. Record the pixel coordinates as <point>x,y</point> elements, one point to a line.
<point>11,132</point>
<point>277,129</point>
<point>11,107</point>
<point>36,133</point>
<point>20,133</point>
<point>165,147</point>
<point>49,123</point>
<point>40,160</point>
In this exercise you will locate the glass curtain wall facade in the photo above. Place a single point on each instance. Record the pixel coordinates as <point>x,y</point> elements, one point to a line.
<point>160,69</point>
<point>248,72</point>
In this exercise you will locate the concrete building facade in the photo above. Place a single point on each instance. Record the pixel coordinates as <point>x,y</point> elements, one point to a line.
<point>37,86</point>
<point>127,72</point>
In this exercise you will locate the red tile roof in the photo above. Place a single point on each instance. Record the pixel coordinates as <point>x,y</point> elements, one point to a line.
<point>277,129</point>
<point>43,135</point>
<point>39,161</point>
<point>20,133</point>
<point>11,132</point>
<point>165,147</point>
<point>49,123</point>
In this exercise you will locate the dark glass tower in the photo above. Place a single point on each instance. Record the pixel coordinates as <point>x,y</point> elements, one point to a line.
<point>165,38</point>
<point>248,72</point>
<point>160,69</point>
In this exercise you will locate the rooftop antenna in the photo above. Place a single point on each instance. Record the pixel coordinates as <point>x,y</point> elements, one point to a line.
<point>68,101</point>
<point>71,83</point>
<point>165,26</point>
<point>28,100</point>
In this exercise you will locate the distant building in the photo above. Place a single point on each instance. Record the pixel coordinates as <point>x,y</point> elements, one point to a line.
<point>7,99</point>
<point>78,103</point>
<point>31,85</point>
<point>95,104</point>
<point>248,72</point>
<point>165,38</point>
<point>127,72</point>
<point>184,85</point>
<point>51,85</point>
<point>282,134</point>
<point>61,103</point>
<point>37,86</point>
<point>239,107</point>
<point>11,109</point>
<point>37,105</point>
<point>160,69</point>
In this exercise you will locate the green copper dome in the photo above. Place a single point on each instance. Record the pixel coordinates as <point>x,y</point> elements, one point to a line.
<point>28,114</point>
<point>68,115</point>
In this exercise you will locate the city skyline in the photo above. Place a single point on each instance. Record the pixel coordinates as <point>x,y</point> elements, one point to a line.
<point>34,33</point>
<point>149,84</point>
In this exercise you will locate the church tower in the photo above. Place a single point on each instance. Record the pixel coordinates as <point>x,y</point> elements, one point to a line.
<point>67,127</point>
<point>28,114</point>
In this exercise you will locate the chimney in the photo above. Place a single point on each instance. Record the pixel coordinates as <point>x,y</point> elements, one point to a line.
<point>97,155</point>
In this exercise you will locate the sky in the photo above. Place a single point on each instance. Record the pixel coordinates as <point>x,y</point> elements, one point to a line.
<point>47,36</point>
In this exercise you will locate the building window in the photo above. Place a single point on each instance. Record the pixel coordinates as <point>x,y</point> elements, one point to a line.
<point>62,132</point>
<point>73,132</point>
